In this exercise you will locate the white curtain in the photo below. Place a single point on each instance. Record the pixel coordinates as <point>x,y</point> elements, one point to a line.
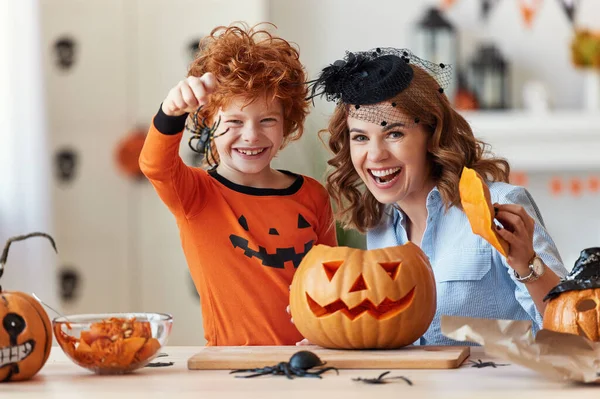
<point>25,168</point>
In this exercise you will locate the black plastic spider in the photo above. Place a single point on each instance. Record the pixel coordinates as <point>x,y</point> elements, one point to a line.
<point>299,365</point>
<point>479,364</point>
<point>204,134</point>
<point>381,380</point>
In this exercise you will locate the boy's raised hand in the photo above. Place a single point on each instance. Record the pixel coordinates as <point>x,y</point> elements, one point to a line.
<point>189,94</point>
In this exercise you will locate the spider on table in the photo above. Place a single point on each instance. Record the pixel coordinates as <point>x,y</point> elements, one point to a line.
<point>381,379</point>
<point>299,365</point>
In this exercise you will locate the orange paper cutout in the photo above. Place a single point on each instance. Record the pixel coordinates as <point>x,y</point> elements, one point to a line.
<point>128,152</point>
<point>528,10</point>
<point>556,186</point>
<point>446,4</point>
<point>519,178</point>
<point>594,184</point>
<point>576,187</point>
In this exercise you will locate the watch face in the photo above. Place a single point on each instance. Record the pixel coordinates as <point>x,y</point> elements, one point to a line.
<point>538,266</point>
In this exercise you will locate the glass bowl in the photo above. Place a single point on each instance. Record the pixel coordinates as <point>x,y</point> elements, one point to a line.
<point>112,343</point>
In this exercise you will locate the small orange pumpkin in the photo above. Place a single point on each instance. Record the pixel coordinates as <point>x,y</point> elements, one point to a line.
<point>363,299</point>
<point>574,304</point>
<point>25,330</point>
<point>477,204</point>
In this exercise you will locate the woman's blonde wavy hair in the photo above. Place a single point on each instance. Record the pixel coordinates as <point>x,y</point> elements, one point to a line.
<point>451,145</point>
<point>250,62</point>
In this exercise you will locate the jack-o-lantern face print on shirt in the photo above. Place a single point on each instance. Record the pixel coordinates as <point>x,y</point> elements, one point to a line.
<point>274,245</point>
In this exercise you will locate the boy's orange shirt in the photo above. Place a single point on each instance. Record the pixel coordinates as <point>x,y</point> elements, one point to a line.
<point>242,244</point>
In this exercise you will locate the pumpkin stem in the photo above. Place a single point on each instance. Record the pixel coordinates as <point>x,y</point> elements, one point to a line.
<point>19,238</point>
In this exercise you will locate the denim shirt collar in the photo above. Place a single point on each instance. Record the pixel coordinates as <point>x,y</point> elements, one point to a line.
<point>434,202</point>
<point>386,233</point>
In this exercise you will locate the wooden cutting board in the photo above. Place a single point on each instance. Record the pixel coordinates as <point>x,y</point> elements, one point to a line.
<point>409,357</point>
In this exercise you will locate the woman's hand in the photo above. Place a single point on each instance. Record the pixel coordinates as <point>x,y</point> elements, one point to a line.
<point>189,94</point>
<point>304,342</point>
<point>518,233</point>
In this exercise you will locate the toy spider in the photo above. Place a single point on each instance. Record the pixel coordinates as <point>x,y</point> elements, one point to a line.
<point>204,134</point>
<point>299,365</point>
<point>479,364</point>
<point>381,380</point>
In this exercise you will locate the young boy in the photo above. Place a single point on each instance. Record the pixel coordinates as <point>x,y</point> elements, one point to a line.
<point>244,226</point>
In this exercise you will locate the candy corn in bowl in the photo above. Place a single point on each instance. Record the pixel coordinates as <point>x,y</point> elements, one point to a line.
<point>112,343</point>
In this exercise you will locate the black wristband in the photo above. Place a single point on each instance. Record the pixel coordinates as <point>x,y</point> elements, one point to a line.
<point>169,125</point>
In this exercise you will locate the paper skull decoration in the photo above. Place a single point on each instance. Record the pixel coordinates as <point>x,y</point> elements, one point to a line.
<point>25,332</point>
<point>65,49</point>
<point>363,299</point>
<point>574,304</point>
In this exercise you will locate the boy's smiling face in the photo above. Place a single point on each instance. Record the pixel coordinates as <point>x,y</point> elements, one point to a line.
<point>254,137</point>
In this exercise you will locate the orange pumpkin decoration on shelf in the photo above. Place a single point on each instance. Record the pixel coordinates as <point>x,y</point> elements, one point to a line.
<point>476,202</point>
<point>128,154</point>
<point>363,299</point>
<point>25,332</point>
<point>574,304</point>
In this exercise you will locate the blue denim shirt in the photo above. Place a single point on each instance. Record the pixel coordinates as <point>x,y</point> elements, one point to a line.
<point>472,277</point>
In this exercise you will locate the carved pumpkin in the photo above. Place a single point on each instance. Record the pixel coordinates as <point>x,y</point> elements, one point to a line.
<point>360,299</point>
<point>476,202</point>
<point>574,304</point>
<point>25,329</point>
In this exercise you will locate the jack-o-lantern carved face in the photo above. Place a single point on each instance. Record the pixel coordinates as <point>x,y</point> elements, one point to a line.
<point>280,237</point>
<point>25,329</point>
<point>25,336</point>
<point>350,298</point>
<point>574,305</point>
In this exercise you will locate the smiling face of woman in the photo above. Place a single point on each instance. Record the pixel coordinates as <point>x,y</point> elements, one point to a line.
<point>391,160</point>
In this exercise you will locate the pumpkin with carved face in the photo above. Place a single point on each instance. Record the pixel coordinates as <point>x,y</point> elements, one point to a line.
<point>25,329</point>
<point>363,299</point>
<point>574,304</point>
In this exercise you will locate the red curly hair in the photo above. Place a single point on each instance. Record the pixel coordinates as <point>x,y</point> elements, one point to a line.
<point>451,142</point>
<point>249,62</point>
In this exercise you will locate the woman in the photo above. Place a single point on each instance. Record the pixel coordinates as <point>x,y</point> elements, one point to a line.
<point>398,152</point>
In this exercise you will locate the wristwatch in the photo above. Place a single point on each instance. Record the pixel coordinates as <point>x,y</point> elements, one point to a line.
<point>536,267</point>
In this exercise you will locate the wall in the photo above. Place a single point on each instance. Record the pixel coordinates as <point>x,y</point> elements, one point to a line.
<point>25,194</point>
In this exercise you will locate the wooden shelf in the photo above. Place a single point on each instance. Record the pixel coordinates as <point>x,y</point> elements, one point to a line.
<point>554,141</point>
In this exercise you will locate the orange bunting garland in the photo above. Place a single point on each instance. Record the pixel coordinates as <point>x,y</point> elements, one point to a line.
<point>528,10</point>
<point>576,187</point>
<point>447,4</point>
<point>556,186</point>
<point>594,184</point>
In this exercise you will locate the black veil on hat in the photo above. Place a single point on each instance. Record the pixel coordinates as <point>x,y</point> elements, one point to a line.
<point>368,81</point>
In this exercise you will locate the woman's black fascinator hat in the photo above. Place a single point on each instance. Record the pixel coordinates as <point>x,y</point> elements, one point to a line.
<point>362,79</point>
